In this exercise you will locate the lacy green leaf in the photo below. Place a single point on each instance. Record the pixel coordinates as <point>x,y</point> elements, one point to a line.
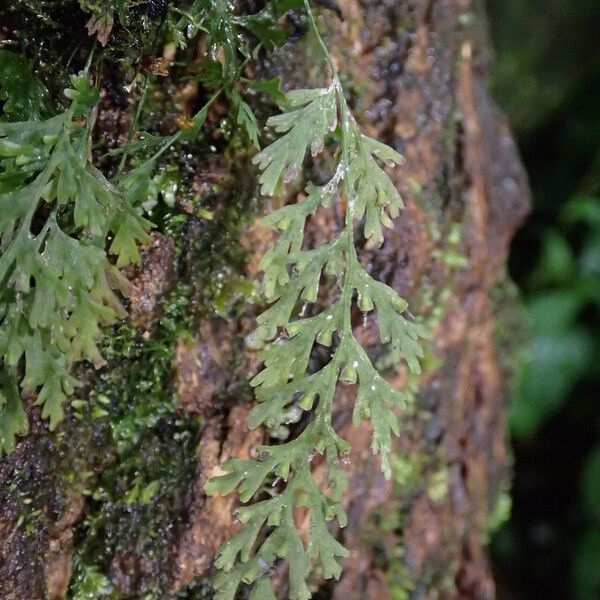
<point>313,116</point>
<point>298,381</point>
<point>245,117</point>
<point>13,420</point>
<point>58,287</point>
<point>24,97</point>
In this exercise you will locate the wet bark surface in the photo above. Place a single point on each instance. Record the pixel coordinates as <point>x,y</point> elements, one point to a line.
<point>418,71</point>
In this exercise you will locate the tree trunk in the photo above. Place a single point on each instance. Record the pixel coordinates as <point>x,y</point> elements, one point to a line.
<point>417,71</point>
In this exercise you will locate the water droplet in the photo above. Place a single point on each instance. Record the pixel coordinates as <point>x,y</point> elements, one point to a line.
<point>294,414</point>
<point>263,564</point>
<point>252,342</point>
<point>291,173</point>
<point>316,147</point>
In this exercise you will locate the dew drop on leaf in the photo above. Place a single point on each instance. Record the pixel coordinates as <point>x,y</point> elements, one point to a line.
<point>291,173</point>
<point>316,146</point>
<point>296,414</point>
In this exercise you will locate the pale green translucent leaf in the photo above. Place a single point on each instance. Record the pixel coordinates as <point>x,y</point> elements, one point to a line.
<point>305,356</point>
<point>24,97</point>
<point>305,126</point>
<point>13,420</point>
<point>58,286</point>
<point>262,590</point>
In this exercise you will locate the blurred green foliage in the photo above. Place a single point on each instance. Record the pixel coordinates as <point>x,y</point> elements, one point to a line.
<point>545,55</point>
<point>562,347</point>
<point>547,78</point>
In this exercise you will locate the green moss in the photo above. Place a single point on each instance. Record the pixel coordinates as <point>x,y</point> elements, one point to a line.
<point>437,487</point>
<point>450,253</point>
<point>499,515</point>
<point>138,496</point>
<point>407,472</point>
<point>217,257</point>
<point>129,453</point>
<point>29,491</point>
<point>88,582</point>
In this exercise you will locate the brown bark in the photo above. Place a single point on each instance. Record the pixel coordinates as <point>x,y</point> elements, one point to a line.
<point>421,69</point>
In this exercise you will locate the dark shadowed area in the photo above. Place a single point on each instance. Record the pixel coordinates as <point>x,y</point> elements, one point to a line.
<point>547,78</point>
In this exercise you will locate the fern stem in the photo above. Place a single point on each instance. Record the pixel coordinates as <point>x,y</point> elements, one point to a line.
<point>90,57</point>
<point>345,120</point>
<point>134,124</point>
<point>313,25</point>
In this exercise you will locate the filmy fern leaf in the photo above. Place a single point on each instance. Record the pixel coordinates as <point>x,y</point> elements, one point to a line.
<point>13,421</point>
<point>286,388</point>
<point>57,285</point>
<point>23,96</point>
<point>225,29</point>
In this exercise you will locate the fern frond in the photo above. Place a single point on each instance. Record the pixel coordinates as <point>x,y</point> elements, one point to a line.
<point>24,97</point>
<point>225,29</point>
<point>57,285</point>
<point>286,388</point>
<point>13,420</point>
